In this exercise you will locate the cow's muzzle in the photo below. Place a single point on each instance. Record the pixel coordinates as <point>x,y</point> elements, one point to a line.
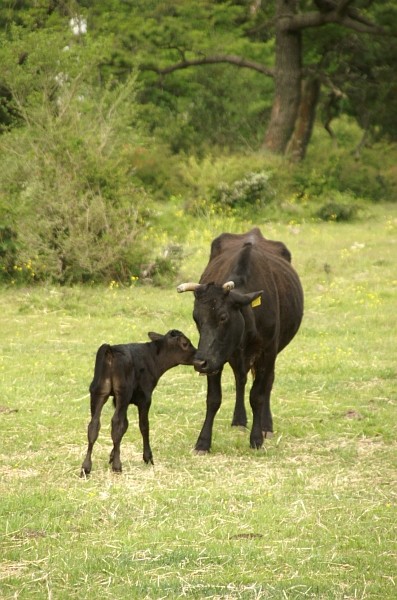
<point>203,367</point>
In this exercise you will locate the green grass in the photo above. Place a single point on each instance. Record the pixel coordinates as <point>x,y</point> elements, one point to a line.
<point>312,515</point>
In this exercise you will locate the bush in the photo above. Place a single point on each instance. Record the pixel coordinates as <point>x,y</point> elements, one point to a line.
<point>220,182</point>
<point>253,189</point>
<point>163,268</point>
<point>67,189</point>
<point>335,211</point>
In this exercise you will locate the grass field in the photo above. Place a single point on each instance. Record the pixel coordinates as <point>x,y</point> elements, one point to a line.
<point>312,515</point>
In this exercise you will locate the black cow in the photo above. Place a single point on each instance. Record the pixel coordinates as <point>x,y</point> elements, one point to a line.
<point>129,373</point>
<point>248,306</point>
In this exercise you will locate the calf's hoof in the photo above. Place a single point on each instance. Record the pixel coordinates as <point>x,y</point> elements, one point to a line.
<point>84,473</point>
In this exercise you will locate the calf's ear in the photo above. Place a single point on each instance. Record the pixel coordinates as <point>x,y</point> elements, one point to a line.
<point>155,336</point>
<point>241,300</point>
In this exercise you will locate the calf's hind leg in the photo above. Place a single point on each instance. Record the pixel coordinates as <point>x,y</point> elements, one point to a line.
<point>98,400</point>
<point>119,427</point>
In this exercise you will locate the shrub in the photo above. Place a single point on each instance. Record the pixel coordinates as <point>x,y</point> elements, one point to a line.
<point>336,211</point>
<point>66,174</point>
<point>163,268</point>
<point>8,250</point>
<point>253,189</point>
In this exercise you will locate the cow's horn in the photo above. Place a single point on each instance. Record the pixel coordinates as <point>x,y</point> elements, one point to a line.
<point>229,285</point>
<point>187,287</point>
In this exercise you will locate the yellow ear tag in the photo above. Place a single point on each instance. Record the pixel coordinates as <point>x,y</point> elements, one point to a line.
<point>256,302</point>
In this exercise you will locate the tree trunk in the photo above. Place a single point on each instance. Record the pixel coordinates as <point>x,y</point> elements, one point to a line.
<point>299,141</point>
<point>287,79</point>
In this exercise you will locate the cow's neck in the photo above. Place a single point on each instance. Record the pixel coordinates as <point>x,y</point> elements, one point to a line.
<point>251,340</point>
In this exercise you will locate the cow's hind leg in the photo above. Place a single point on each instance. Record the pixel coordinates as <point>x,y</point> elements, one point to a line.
<point>267,420</point>
<point>260,404</point>
<point>119,427</point>
<point>239,414</point>
<point>98,399</point>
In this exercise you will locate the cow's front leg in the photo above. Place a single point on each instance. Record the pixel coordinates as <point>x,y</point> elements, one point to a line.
<point>119,427</point>
<point>214,400</point>
<point>143,411</point>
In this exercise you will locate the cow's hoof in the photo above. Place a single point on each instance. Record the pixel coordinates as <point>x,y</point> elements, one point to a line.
<point>84,473</point>
<point>242,428</point>
<point>240,424</point>
<point>256,444</point>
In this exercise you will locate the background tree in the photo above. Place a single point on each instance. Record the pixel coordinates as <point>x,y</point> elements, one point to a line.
<point>246,73</point>
<point>296,43</point>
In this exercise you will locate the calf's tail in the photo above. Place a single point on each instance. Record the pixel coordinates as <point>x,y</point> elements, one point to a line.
<point>102,370</point>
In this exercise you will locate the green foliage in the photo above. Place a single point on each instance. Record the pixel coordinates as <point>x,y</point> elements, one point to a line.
<point>194,108</point>
<point>337,211</point>
<point>165,267</point>
<point>70,167</point>
<point>253,189</point>
<point>84,190</point>
<point>219,182</point>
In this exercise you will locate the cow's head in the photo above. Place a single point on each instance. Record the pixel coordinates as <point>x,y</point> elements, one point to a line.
<point>219,320</point>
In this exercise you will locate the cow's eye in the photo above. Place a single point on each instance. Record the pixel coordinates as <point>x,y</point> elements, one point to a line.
<point>223,318</point>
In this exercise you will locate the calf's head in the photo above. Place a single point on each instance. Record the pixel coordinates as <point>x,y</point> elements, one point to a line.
<point>221,325</point>
<point>176,346</point>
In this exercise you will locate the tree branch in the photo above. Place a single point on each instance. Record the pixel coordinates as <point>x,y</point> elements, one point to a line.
<point>342,6</point>
<point>237,61</point>
<point>317,19</point>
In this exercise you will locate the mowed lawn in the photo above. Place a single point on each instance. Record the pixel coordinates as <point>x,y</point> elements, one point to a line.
<point>311,515</point>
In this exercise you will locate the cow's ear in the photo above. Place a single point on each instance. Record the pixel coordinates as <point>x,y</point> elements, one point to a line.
<point>155,336</point>
<point>241,300</point>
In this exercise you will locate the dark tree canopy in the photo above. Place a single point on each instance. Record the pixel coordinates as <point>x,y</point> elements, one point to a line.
<point>242,71</point>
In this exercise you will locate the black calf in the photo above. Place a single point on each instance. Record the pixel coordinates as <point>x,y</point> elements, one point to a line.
<point>129,373</point>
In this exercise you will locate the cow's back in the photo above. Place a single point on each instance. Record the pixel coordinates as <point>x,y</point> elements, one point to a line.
<point>255,263</point>
<point>232,241</point>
